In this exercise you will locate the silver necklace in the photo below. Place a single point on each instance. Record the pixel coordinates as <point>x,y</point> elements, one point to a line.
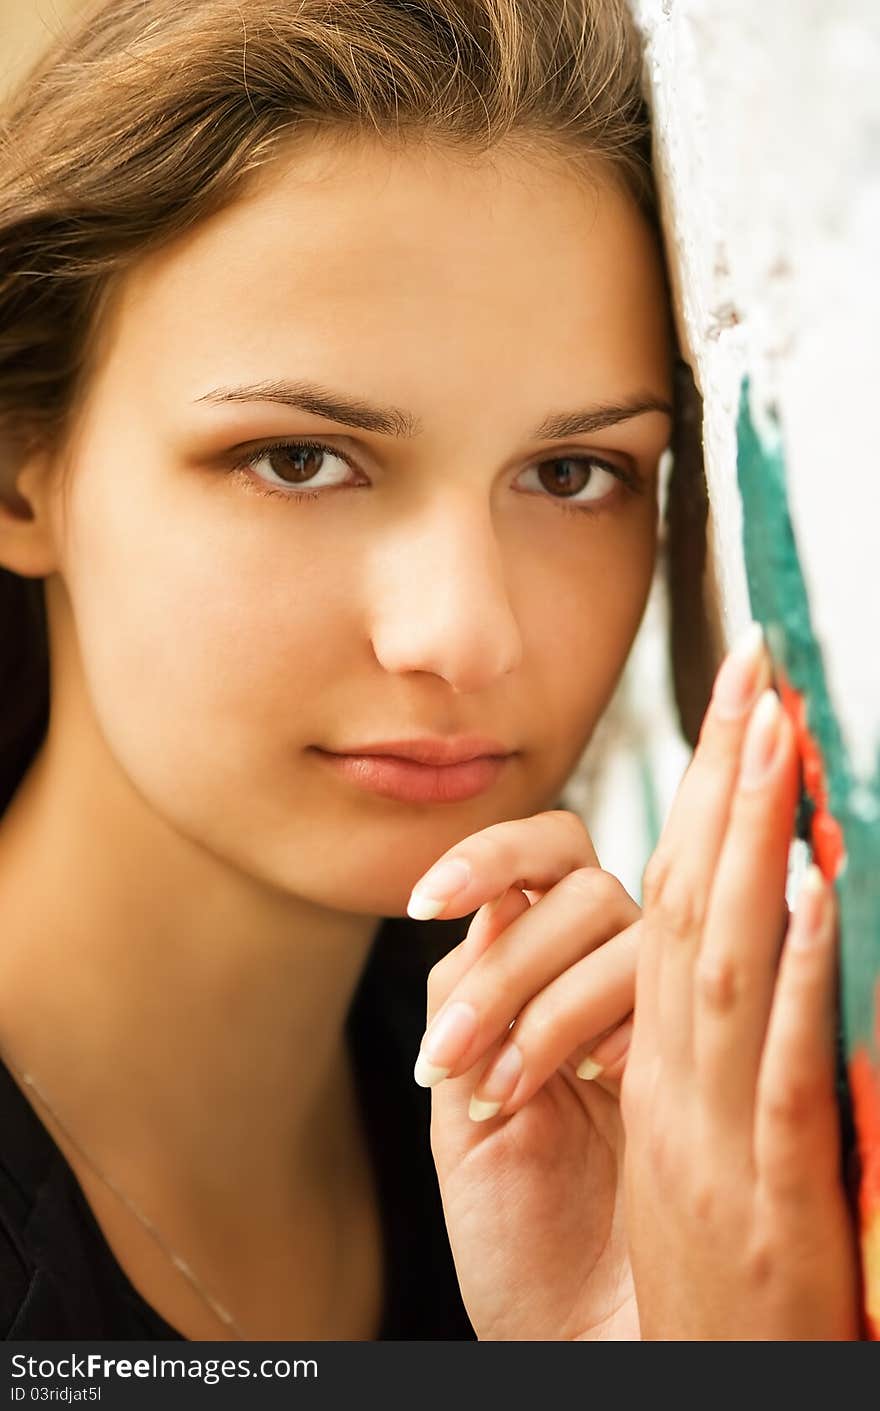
<point>171,1255</point>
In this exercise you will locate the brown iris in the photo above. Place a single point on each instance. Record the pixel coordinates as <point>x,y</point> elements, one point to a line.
<point>568,481</point>
<point>311,456</point>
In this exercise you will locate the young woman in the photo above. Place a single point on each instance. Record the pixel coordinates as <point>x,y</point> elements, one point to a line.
<point>335,372</point>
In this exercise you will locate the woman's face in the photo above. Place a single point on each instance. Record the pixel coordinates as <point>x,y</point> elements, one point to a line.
<point>454,567</point>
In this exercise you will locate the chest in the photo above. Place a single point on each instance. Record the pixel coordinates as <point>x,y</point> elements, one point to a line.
<point>318,1279</point>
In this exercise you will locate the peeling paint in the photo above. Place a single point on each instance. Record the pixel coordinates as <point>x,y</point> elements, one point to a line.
<point>840,814</point>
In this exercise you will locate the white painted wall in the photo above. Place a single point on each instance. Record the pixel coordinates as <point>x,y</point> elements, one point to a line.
<point>767,147</point>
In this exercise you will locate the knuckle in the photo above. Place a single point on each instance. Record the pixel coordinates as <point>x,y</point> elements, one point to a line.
<point>761,1259</point>
<point>573,831</point>
<point>495,988</point>
<point>559,1019</point>
<point>713,1189</point>
<point>789,1100</point>
<point>543,1013</point>
<point>673,902</point>
<point>662,1153</point>
<point>569,821</point>
<point>706,1200</point>
<point>593,885</point>
<point>539,1025</point>
<point>716,982</point>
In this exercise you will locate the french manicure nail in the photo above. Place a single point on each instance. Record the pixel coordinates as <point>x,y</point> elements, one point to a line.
<point>428,1074</point>
<point>810,913</point>
<point>444,1041</point>
<point>497,1084</point>
<point>736,684</point>
<point>611,1049</point>
<point>437,887</point>
<point>762,737</point>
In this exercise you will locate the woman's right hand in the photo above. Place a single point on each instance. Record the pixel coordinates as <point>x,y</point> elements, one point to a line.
<point>530,1179</point>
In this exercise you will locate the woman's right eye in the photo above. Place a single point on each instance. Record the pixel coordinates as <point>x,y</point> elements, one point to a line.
<point>294,463</point>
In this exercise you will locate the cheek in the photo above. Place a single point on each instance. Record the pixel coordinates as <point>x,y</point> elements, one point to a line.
<point>581,629</point>
<point>205,645</point>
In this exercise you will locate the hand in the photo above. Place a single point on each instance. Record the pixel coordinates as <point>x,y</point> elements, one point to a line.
<point>529,1171</point>
<point>738,1223</point>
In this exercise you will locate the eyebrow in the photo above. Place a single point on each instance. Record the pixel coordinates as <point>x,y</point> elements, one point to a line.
<point>393,421</point>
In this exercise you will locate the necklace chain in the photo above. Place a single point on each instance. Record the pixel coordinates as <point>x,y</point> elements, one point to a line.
<point>217,1308</point>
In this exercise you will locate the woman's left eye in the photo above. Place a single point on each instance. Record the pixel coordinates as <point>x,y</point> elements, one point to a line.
<point>573,480</point>
<point>302,470</point>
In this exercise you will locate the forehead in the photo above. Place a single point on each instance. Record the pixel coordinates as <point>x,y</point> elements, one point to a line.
<point>504,265</point>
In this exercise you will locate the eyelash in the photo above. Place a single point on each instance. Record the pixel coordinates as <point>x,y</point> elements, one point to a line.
<point>627,477</point>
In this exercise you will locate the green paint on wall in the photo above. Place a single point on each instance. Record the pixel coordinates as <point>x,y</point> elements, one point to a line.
<point>779,600</point>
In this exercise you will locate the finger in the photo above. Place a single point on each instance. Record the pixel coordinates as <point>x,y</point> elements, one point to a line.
<point>606,1062</point>
<point>574,1010</point>
<point>526,853</point>
<point>797,1129</point>
<point>490,920</point>
<point>678,879</point>
<point>736,971</point>
<point>585,908</point>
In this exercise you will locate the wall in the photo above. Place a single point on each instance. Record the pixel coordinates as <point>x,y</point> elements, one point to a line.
<point>767,147</point>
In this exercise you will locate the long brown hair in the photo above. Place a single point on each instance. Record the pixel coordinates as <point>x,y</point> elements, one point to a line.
<point>145,116</point>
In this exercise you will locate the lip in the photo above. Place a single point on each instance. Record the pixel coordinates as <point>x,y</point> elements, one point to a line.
<point>412,780</point>
<point>433,749</point>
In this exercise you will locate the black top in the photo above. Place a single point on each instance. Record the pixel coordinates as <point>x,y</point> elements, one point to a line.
<point>58,1275</point>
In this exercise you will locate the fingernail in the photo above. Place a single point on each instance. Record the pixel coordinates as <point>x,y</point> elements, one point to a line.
<point>811,913</point>
<point>443,1043</point>
<point>613,1047</point>
<point>496,1084</point>
<point>737,680</point>
<point>762,737</point>
<point>437,887</point>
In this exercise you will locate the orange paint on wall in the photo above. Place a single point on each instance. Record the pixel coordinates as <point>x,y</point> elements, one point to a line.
<point>826,835</point>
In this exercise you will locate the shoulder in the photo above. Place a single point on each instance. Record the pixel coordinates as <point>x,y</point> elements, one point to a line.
<point>24,1164</point>
<point>16,1273</point>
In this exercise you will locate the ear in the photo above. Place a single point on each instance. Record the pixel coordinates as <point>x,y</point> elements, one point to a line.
<point>27,529</point>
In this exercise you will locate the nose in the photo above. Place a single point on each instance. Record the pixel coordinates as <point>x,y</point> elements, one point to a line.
<point>441,603</point>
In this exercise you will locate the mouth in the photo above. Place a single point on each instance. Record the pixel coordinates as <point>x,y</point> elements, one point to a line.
<point>432,749</point>
<point>412,779</point>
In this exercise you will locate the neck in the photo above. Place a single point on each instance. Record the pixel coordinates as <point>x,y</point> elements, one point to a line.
<point>163,1000</point>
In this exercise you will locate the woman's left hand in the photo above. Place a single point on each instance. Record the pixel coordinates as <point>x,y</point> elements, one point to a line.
<point>736,1212</point>
<point>529,1169</point>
